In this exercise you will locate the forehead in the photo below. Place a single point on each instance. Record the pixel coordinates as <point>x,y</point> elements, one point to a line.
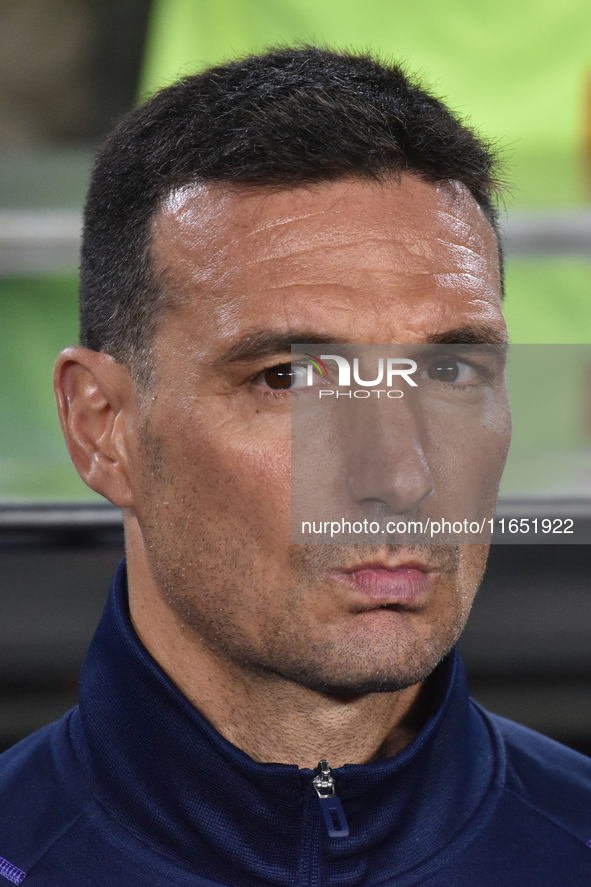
<point>356,260</point>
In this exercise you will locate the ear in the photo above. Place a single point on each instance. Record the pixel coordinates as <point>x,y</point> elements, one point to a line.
<point>95,398</point>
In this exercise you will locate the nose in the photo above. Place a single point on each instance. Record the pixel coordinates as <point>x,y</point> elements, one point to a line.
<point>384,454</point>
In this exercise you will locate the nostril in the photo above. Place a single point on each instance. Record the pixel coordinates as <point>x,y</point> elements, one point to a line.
<point>400,491</point>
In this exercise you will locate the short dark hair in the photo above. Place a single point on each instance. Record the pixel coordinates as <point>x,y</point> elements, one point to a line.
<point>286,118</point>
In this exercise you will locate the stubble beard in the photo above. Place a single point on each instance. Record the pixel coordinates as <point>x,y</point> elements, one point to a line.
<point>216,602</point>
<point>208,582</point>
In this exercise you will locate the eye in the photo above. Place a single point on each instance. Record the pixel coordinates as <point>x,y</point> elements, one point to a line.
<point>284,376</point>
<point>449,369</point>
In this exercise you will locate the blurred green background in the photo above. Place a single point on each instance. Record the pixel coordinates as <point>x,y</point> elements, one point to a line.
<point>519,71</point>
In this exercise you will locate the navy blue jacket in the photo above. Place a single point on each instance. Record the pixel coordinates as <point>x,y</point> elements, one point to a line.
<point>135,789</point>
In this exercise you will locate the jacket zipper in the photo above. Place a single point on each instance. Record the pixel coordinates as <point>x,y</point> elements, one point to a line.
<point>332,809</point>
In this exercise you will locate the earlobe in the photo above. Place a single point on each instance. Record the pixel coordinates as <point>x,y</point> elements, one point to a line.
<point>94,395</point>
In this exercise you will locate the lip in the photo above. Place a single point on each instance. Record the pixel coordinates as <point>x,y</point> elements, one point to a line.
<point>405,583</point>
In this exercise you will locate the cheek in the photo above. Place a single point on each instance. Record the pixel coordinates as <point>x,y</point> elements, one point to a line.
<point>466,451</point>
<point>233,475</point>
<point>472,566</point>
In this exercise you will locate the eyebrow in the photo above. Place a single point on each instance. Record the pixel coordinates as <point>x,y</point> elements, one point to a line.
<point>469,335</point>
<point>264,343</point>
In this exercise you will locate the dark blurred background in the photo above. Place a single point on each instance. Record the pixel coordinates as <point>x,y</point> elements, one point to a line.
<point>68,69</point>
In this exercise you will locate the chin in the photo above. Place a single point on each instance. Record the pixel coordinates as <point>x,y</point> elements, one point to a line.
<point>364,686</point>
<point>360,679</point>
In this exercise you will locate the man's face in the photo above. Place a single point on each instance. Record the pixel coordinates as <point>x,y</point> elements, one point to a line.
<point>351,262</point>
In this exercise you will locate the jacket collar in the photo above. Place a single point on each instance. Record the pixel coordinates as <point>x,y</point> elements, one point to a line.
<point>165,774</point>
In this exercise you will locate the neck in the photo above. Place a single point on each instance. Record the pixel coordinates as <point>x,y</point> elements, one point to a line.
<point>268,717</point>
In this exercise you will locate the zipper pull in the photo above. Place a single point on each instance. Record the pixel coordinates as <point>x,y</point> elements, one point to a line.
<point>332,809</point>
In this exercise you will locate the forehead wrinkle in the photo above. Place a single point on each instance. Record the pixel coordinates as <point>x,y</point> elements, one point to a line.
<point>305,192</point>
<point>466,277</point>
<point>186,262</point>
<point>408,263</point>
<point>462,220</point>
<point>312,250</point>
<point>430,248</point>
<point>320,213</point>
<point>385,283</point>
<point>298,246</point>
<point>212,210</point>
<point>388,238</point>
<point>464,250</point>
<point>465,229</point>
<point>399,228</point>
<point>240,251</point>
<point>274,224</point>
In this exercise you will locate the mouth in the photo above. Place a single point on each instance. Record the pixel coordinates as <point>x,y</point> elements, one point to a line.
<point>405,582</point>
